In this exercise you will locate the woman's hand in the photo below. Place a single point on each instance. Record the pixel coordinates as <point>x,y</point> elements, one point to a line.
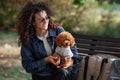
<point>54,60</point>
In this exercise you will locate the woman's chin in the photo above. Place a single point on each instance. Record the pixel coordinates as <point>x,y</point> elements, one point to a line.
<point>45,28</point>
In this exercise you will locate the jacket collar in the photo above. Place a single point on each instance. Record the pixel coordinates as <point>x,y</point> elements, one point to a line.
<point>51,33</point>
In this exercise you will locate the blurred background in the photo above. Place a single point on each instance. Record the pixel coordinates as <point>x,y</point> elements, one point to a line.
<point>93,17</point>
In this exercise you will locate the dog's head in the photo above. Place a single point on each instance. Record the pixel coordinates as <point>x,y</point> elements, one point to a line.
<point>65,39</point>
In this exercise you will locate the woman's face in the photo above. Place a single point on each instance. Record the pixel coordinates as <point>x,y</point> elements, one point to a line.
<point>41,20</point>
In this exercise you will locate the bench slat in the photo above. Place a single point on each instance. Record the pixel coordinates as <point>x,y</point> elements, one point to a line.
<point>89,37</point>
<point>96,52</point>
<point>97,45</point>
<point>102,48</point>
<point>102,43</point>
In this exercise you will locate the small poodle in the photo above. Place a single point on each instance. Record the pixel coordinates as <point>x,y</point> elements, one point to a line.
<point>64,41</point>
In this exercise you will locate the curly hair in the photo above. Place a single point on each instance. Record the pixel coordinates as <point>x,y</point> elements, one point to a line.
<point>26,18</point>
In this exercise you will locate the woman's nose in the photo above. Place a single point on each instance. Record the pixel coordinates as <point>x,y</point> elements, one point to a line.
<point>45,21</point>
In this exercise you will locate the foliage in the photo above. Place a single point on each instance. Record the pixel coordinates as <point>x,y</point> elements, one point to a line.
<point>79,2</point>
<point>82,2</point>
<point>94,19</point>
<point>7,15</point>
<point>109,1</point>
<point>82,16</point>
<point>100,21</point>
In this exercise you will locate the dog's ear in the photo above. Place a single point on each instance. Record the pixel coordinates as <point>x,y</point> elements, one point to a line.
<point>72,42</point>
<point>58,41</point>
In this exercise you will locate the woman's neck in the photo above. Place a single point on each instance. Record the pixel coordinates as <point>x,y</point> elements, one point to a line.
<point>41,33</point>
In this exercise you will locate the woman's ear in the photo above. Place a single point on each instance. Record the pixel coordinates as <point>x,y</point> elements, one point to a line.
<point>33,23</point>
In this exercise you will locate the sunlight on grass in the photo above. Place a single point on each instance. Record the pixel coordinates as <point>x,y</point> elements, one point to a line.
<point>16,73</point>
<point>8,44</point>
<point>10,61</point>
<point>9,50</point>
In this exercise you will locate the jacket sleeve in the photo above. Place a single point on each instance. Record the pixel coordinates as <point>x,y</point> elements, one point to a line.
<point>29,63</point>
<point>76,56</point>
<point>59,30</point>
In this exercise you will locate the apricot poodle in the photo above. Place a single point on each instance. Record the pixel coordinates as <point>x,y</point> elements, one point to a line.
<point>64,41</point>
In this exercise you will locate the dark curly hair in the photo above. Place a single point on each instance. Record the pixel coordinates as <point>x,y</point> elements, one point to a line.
<point>26,18</point>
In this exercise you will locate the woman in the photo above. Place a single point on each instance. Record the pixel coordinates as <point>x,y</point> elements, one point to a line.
<point>37,35</point>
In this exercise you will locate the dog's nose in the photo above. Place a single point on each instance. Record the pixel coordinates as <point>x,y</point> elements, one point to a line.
<point>66,44</point>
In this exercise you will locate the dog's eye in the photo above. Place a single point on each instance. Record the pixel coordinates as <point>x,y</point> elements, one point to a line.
<point>63,40</point>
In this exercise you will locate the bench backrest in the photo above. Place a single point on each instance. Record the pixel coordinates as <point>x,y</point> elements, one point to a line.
<point>97,45</point>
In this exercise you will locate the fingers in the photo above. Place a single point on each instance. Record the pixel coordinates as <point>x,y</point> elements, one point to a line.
<point>54,60</point>
<point>67,62</point>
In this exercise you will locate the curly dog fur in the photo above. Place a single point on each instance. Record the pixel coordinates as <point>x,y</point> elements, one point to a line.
<point>64,40</point>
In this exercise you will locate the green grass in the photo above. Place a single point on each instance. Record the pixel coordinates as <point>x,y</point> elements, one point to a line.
<point>13,72</point>
<point>16,73</point>
<point>8,37</point>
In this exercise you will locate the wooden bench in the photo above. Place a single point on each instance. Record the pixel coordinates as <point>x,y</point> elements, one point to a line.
<point>89,45</point>
<point>97,45</point>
